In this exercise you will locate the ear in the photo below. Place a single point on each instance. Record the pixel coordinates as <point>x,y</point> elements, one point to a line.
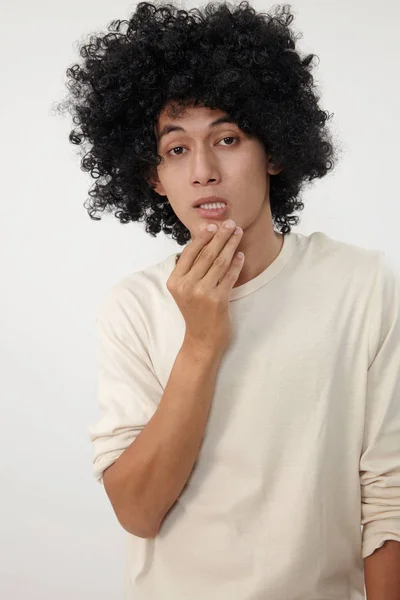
<point>156,185</point>
<point>273,169</point>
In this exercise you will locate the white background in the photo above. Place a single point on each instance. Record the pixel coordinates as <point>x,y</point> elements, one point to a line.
<point>59,537</point>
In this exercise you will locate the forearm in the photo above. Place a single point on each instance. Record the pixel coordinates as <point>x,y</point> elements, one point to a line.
<point>149,476</point>
<point>382,572</point>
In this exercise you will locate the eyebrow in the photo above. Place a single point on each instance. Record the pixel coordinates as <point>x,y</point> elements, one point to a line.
<point>168,127</point>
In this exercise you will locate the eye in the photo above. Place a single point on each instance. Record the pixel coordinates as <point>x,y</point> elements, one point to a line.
<point>178,147</point>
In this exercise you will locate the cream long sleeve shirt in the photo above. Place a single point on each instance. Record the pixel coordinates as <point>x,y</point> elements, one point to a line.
<point>298,475</point>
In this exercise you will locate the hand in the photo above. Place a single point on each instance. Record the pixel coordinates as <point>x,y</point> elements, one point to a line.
<point>201,283</point>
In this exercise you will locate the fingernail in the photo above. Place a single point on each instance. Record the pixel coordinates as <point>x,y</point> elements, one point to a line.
<point>230,224</point>
<point>212,227</point>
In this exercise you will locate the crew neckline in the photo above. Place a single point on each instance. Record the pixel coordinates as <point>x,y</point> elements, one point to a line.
<point>289,240</point>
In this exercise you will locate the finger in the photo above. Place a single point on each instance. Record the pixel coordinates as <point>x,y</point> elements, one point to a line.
<point>231,276</point>
<point>192,250</point>
<point>218,269</point>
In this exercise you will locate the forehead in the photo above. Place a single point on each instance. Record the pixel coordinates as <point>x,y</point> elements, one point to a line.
<point>175,118</point>
<point>173,111</point>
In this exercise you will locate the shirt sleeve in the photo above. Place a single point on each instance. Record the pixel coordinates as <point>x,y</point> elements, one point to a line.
<point>380,457</point>
<point>128,389</point>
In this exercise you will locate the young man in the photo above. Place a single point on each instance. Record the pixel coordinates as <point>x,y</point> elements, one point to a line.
<point>249,441</point>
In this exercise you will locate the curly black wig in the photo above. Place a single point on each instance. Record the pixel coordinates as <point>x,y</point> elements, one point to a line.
<point>226,57</point>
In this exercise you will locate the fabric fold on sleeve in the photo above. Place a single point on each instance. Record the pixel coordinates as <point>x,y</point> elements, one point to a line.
<point>128,389</point>
<point>380,457</point>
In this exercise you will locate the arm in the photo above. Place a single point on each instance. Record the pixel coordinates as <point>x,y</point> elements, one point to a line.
<point>380,456</point>
<point>382,572</point>
<point>148,477</point>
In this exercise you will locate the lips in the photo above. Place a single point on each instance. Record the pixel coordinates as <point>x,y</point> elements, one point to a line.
<point>208,200</point>
<point>213,213</point>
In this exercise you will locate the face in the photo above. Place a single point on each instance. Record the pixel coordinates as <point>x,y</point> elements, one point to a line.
<point>199,159</point>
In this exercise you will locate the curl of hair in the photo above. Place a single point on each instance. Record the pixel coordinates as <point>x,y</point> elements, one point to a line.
<point>225,57</point>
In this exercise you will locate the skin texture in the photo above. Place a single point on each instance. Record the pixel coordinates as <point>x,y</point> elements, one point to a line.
<point>382,572</point>
<point>204,161</point>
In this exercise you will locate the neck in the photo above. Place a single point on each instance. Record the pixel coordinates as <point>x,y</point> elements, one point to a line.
<point>261,245</point>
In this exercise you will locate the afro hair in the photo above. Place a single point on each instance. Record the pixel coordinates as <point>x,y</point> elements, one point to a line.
<point>225,57</point>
